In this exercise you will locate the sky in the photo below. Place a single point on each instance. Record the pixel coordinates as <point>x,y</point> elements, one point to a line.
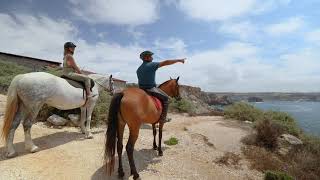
<point>230,45</point>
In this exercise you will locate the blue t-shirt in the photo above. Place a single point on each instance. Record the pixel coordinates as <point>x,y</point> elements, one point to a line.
<point>147,74</point>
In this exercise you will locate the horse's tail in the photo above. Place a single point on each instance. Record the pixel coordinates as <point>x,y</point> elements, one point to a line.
<point>111,135</point>
<point>11,107</point>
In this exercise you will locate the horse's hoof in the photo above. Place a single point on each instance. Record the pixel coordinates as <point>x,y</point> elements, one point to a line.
<point>160,153</point>
<point>120,174</point>
<point>11,154</point>
<point>89,136</point>
<point>136,176</point>
<point>34,149</point>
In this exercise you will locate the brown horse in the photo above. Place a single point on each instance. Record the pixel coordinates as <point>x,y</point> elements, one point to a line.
<point>133,106</point>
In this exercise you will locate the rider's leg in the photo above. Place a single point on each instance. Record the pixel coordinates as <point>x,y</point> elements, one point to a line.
<point>83,78</point>
<point>164,99</point>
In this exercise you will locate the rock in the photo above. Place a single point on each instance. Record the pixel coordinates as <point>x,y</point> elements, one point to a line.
<point>75,118</point>
<point>292,140</point>
<point>248,122</point>
<point>286,142</point>
<point>57,120</point>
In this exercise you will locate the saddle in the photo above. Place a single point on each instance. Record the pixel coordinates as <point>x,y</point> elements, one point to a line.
<point>77,84</point>
<point>157,103</point>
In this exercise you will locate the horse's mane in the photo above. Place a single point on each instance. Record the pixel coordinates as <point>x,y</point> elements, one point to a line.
<point>164,83</point>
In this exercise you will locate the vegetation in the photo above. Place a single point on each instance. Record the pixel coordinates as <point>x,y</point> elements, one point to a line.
<point>243,112</point>
<point>302,162</point>
<point>172,141</point>
<point>274,175</point>
<point>246,112</point>
<point>7,72</point>
<point>182,105</point>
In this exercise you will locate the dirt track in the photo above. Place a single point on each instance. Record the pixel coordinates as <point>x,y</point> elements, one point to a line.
<point>65,154</point>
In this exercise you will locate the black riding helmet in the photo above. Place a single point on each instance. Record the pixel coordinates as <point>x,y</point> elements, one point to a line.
<point>69,45</point>
<point>145,53</point>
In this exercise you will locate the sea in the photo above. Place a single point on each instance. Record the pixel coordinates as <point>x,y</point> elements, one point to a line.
<point>307,114</point>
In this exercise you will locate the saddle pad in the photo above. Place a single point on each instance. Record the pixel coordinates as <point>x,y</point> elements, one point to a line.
<point>157,103</point>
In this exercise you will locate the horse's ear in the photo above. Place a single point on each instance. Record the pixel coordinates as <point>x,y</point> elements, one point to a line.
<point>110,76</point>
<point>170,78</point>
<point>178,78</point>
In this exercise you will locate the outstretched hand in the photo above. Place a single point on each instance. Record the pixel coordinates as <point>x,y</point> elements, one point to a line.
<point>182,60</point>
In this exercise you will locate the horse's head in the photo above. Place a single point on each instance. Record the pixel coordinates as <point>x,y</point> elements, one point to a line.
<point>171,87</point>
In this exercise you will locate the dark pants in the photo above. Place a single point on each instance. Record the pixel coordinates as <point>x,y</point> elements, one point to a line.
<point>164,98</point>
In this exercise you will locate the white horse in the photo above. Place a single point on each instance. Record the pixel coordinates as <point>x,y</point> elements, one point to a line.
<point>27,93</point>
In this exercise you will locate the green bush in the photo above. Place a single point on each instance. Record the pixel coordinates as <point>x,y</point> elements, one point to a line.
<point>182,105</point>
<point>274,175</point>
<point>100,111</point>
<point>243,112</point>
<point>268,133</point>
<point>287,122</point>
<point>8,71</point>
<point>172,141</point>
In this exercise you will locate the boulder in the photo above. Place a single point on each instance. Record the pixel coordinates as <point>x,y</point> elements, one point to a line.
<point>290,139</point>
<point>75,118</point>
<point>286,142</point>
<point>57,120</point>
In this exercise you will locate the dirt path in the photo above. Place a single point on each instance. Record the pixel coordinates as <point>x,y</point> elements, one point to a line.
<point>65,154</point>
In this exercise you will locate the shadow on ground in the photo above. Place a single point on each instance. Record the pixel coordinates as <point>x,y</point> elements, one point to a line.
<point>45,142</point>
<point>143,158</point>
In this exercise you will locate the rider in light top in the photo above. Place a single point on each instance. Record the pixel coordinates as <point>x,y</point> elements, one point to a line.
<point>146,78</point>
<point>71,70</point>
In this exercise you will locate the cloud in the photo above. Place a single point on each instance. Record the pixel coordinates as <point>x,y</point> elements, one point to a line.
<point>170,46</point>
<point>216,10</point>
<point>242,30</point>
<point>119,12</point>
<point>288,26</point>
<point>313,36</point>
<point>235,66</point>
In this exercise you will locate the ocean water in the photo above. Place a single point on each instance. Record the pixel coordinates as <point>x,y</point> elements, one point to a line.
<point>307,114</point>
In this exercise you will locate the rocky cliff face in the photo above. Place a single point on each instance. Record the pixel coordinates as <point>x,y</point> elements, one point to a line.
<point>202,100</point>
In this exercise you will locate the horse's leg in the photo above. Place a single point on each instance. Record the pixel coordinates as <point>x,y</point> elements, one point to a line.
<point>155,147</point>
<point>121,126</point>
<point>160,138</point>
<point>134,133</point>
<point>15,123</point>
<point>83,120</point>
<point>90,105</point>
<point>29,145</point>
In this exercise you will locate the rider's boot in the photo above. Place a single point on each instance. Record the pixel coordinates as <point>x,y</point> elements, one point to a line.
<point>163,116</point>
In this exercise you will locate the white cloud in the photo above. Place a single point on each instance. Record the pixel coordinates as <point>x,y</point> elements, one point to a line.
<point>267,5</point>
<point>170,46</point>
<point>236,66</point>
<point>242,30</point>
<point>119,12</point>
<point>216,10</point>
<point>313,36</point>
<point>288,26</point>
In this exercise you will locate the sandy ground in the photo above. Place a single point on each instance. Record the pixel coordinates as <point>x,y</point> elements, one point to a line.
<point>65,154</point>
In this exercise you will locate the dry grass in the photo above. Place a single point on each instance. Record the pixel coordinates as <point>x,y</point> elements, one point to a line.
<point>299,162</point>
<point>262,159</point>
<point>267,134</point>
<point>229,158</point>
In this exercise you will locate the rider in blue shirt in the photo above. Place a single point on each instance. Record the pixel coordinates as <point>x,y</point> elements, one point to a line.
<point>146,78</point>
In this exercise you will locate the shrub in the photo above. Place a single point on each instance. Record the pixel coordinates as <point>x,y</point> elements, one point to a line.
<point>182,105</point>
<point>287,122</point>
<point>243,112</point>
<point>229,158</point>
<point>172,141</point>
<point>275,175</point>
<point>268,133</point>
<point>8,71</point>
